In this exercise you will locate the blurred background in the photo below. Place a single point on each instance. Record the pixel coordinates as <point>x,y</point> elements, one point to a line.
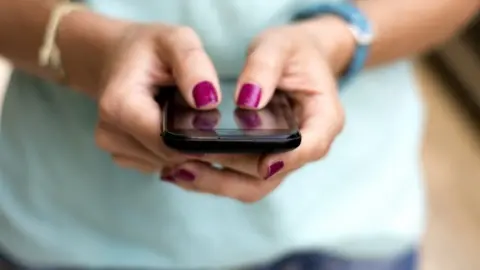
<point>450,81</point>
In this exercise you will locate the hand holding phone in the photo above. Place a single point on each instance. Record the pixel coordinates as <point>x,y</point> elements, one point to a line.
<point>228,129</point>
<point>305,74</point>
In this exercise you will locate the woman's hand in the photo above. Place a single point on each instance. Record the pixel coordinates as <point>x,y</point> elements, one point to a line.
<point>287,58</point>
<point>130,119</point>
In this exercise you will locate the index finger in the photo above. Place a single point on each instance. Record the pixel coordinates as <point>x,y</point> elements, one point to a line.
<point>192,69</point>
<point>263,68</point>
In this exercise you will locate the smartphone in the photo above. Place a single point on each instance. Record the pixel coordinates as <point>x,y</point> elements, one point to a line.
<point>228,129</point>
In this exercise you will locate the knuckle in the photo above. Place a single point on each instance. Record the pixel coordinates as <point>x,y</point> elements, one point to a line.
<point>271,35</point>
<point>108,109</point>
<point>222,189</point>
<point>184,35</point>
<point>103,140</point>
<point>321,150</point>
<point>255,194</point>
<point>261,63</point>
<point>189,55</point>
<point>185,46</point>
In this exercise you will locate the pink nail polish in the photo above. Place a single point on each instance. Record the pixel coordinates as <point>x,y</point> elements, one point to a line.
<point>204,93</point>
<point>185,175</point>
<point>274,169</point>
<point>249,95</point>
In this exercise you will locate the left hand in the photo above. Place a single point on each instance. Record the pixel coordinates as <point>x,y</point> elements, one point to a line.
<point>290,59</point>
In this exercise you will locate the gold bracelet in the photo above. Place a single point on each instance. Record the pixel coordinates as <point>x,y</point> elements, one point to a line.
<point>49,55</point>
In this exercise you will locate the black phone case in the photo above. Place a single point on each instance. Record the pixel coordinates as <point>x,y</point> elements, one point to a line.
<point>232,145</point>
<point>223,144</point>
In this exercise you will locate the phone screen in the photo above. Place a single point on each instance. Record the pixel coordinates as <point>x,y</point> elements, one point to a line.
<point>275,119</point>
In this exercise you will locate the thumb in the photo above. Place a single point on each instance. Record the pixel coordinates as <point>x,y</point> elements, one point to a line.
<point>192,68</point>
<point>262,71</point>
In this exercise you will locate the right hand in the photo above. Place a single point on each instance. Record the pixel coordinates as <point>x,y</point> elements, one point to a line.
<point>129,118</point>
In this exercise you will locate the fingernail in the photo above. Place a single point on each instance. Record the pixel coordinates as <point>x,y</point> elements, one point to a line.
<point>249,95</point>
<point>274,168</point>
<point>248,119</point>
<point>185,175</point>
<point>204,94</point>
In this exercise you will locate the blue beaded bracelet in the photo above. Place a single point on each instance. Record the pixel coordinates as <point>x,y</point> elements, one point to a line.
<point>358,24</point>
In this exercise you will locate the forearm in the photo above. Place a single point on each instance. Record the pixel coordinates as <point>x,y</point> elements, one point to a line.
<point>402,28</point>
<point>408,27</point>
<point>82,37</point>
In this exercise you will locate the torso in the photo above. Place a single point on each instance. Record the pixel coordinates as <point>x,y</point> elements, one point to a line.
<point>63,201</point>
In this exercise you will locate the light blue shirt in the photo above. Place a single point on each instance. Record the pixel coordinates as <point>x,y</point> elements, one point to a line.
<point>64,202</point>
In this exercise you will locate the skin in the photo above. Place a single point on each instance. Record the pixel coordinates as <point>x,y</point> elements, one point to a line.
<point>294,67</point>
<point>129,59</point>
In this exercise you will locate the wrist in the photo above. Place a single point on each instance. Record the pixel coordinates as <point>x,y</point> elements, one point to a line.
<point>85,39</point>
<point>333,38</point>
